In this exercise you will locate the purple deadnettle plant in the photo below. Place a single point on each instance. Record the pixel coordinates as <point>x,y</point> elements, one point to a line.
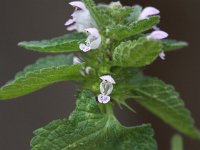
<point>113,43</point>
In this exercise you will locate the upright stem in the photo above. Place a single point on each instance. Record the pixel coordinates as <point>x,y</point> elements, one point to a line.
<point>109,108</point>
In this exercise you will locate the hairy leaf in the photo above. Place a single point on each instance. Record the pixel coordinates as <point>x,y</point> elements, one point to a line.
<point>164,101</point>
<point>120,32</point>
<point>137,53</point>
<point>44,72</point>
<point>119,14</point>
<point>170,45</point>
<point>66,43</point>
<point>89,128</point>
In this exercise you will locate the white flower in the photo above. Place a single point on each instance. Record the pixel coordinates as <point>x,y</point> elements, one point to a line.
<point>106,87</point>
<point>157,35</point>
<point>147,12</point>
<point>108,78</point>
<point>81,18</point>
<point>93,40</point>
<point>76,60</point>
<point>162,55</point>
<point>103,98</point>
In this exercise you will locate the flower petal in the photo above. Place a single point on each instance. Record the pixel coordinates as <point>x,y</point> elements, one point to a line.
<point>106,88</point>
<point>72,27</point>
<point>96,43</point>
<point>93,31</point>
<point>158,35</point>
<point>162,55</point>
<point>76,60</point>
<point>103,98</point>
<point>78,4</point>
<point>108,78</point>
<point>148,11</point>
<point>84,47</point>
<point>68,22</point>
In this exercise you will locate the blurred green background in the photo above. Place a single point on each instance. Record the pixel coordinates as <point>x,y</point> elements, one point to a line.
<point>35,19</point>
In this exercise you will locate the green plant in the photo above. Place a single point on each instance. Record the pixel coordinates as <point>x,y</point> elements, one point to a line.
<point>113,46</point>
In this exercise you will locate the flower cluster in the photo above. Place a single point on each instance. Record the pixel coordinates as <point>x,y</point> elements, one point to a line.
<point>81,18</point>
<point>82,21</point>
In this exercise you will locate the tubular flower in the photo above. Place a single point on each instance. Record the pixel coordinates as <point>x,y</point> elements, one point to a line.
<point>93,40</point>
<point>81,18</point>
<point>158,35</point>
<point>147,12</point>
<point>106,87</point>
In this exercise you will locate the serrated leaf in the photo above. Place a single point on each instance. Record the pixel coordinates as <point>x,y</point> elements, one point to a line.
<point>104,15</point>
<point>170,45</point>
<point>88,128</point>
<point>119,15</point>
<point>66,43</point>
<point>162,100</point>
<point>177,143</point>
<point>137,53</point>
<point>44,72</point>
<point>120,32</point>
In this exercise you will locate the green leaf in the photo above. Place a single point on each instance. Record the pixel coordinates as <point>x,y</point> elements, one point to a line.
<point>66,43</point>
<point>88,128</point>
<point>119,14</point>
<point>170,45</point>
<point>44,72</point>
<point>177,143</point>
<point>164,101</point>
<point>137,53</point>
<point>120,32</point>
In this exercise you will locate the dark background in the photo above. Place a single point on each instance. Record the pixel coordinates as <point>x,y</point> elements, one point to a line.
<point>40,19</point>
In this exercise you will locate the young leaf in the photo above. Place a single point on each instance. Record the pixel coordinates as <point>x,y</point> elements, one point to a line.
<point>120,32</point>
<point>111,15</point>
<point>44,72</point>
<point>170,45</point>
<point>119,15</point>
<point>177,143</point>
<point>137,53</point>
<point>164,101</point>
<point>66,43</point>
<point>88,128</point>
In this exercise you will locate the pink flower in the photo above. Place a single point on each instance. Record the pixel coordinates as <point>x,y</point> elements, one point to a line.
<point>147,12</point>
<point>93,40</point>
<point>158,35</point>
